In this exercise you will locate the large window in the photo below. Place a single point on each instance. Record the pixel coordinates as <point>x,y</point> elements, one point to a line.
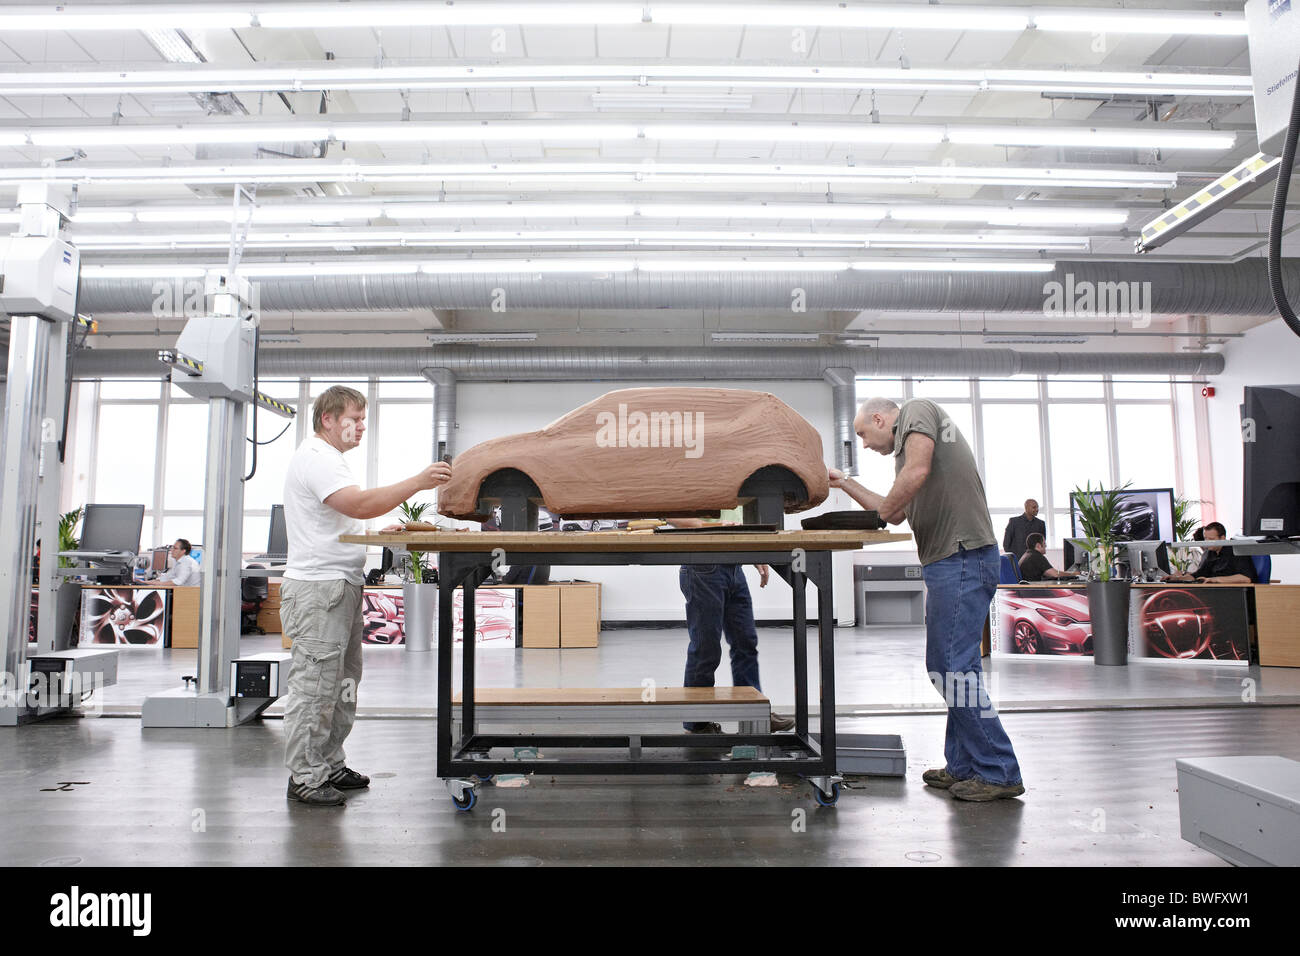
<point>148,445</point>
<point>1040,438</point>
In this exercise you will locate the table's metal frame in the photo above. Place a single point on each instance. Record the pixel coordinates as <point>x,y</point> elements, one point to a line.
<point>795,752</point>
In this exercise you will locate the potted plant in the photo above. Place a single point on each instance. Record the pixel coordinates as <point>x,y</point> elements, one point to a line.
<point>67,601</point>
<point>420,594</point>
<point>1182,559</point>
<point>1108,596</point>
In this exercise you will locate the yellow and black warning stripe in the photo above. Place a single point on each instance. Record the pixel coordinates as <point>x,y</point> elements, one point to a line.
<point>272,405</point>
<point>1248,172</point>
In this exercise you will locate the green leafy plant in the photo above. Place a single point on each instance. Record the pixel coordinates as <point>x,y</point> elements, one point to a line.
<point>68,540</point>
<point>412,511</point>
<point>1099,513</point>
<point>1184,527</point>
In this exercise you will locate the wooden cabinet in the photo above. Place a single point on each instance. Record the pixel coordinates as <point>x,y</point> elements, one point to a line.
<point>1277,609</point>
<point>579,615</point>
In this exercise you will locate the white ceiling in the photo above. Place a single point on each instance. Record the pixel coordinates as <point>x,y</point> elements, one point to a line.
<point>1231,234</point>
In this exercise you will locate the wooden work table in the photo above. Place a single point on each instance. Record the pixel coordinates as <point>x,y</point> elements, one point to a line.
<point>607,542</point>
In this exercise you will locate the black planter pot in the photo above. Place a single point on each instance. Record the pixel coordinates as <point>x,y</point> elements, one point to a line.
<point>1108,608</point>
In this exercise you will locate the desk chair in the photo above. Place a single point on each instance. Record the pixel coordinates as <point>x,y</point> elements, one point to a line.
<point>1010,571</point>
<point>1263,567</point>
<point>252,592</point>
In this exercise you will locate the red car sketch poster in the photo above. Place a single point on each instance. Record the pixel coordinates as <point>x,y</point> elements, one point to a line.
<point>1165,623</point>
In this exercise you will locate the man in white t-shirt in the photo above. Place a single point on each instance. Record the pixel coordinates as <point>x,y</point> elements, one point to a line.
<point>320,598</point>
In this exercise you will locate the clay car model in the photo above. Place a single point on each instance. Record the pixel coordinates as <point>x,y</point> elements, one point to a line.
<point>648,452</point>
<point>1047,621</point>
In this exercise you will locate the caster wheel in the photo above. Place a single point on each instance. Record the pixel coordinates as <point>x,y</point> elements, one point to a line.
<point>466,801</point>
<point>827,799</point>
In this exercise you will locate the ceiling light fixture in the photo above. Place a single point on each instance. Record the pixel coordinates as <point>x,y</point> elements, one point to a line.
<point>648,175</point>
<point>528,130</point>
<point>220,16</point>
<point>619,85</point>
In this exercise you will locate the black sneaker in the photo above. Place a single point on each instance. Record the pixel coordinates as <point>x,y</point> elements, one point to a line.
<point>345,778</point>
<point>323,796</point>
<point>706,729</point>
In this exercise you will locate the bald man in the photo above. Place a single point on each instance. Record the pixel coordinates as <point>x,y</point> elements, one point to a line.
<point>938,490</point>
<point>1015,540</point>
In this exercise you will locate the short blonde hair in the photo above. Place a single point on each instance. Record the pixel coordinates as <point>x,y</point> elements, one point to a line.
<point>335,400</point>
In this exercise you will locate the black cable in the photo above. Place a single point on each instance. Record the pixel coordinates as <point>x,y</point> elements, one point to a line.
<point>257,341</point>
<point>1279,214</point>
<point>270,440</point>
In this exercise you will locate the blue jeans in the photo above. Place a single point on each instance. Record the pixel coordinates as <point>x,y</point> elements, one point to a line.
<point>718,603</point>
<point>959,590</point>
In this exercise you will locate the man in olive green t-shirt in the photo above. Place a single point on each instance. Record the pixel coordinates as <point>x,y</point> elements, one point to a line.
<point>938,490</point>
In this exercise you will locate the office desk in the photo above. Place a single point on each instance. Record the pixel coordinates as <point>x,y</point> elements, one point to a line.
<point>184,603</point>
<point>1207,622</point>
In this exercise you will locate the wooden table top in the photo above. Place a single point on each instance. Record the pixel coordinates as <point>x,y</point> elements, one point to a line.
<point>624,541</point>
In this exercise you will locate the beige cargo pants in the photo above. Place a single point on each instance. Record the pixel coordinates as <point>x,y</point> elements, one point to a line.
<point>323,618</point>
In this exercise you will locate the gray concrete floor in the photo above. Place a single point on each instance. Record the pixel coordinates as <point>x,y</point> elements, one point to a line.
<point>877,670</point>
<point>1097,748</point>
<point>1101,792</point>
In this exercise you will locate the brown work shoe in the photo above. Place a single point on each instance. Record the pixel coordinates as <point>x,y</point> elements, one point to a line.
<point>939,779</point>
<point>780,723</point>
<point>982,791</point>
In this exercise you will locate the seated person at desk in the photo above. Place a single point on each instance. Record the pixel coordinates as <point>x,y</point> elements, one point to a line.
<point>1220,565</point>
<point>1034,564</point>
<point>185,572</point>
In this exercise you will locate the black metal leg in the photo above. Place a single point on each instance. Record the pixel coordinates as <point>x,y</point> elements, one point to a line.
<point>798,582</point>
<point>826,647</point>
<point>469,633</point>
<point>447,572</point>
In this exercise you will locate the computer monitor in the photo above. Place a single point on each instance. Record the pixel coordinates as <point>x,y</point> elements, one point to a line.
<point>277,541</point>
<point>1149,555</point>
<point>158,561</point>
<point>1146,514</point>
<point>112,528</point>
<point>1270,431</point>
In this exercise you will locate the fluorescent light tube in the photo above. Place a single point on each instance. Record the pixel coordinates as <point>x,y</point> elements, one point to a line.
<point>149,271</point>
<point>741,265</point>
<point>1082,136</point>
<point>328,268</point>
<point>460,266</point>
<point>1175,22</point>
<point>872,16</point>
<point>929,265</point>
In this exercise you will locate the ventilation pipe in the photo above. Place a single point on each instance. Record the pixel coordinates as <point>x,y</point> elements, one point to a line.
<point>843,383</point>
<point>1178,288</point>
<point>444,410</point>
<point>731,363</point>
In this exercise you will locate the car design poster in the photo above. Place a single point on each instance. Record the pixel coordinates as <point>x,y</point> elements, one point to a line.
<point>1165,623</point>
<point>1189,624</point>
<point>1049,622</point>
<point>495,620</point>
<point>123,617</point>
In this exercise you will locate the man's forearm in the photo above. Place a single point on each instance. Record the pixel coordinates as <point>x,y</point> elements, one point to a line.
<point>862,495</point>
<point>906,485</point>
<point>379,501</point>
